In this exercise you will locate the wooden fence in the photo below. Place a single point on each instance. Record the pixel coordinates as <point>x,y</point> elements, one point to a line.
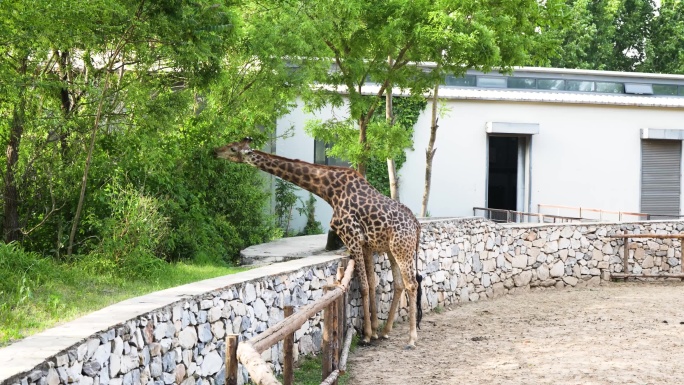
<point>333,302</point>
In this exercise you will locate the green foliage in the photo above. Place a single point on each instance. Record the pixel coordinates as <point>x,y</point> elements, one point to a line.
<point>664,49</point>
<point>131,237</point>
<point>606,35</point>
<point>36,292</point>
<point>285,201</point>
<point>388,141</point>
<point>308,210</point>
<point>152,127</point>
<point>308,372</point>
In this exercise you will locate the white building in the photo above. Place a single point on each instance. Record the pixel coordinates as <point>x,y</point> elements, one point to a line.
<point>591,139</point>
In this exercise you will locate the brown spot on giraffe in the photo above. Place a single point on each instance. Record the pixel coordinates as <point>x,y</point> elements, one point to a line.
<point>365,220</point>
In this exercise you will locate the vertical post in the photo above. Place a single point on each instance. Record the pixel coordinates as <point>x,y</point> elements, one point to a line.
<point>231,359</point>
<point>288,352</point>
<point>625,255</point>
<point>681,267</point>
<point>508,216</point>
<point>341,303</point>
<point>330,359</point>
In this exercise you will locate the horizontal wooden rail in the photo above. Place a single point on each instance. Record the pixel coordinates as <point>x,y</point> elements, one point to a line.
<point>632,275</point>
<point>331,378</point>
<point>249,352</point>
<point>656,236</point>
<point>291,324</point>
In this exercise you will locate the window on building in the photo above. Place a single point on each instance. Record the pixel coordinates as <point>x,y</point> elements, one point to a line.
<point>465,81</point>
<point>522,83</point>
<point>665,89</point>
<point>579,85</point>
<point>610,87</point>
<point>320,156</point>
<point>491,82</point>
<point>550,84</point>
<point>638,89</point>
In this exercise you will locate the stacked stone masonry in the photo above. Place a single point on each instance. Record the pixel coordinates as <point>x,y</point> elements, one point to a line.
<point>460,259</point>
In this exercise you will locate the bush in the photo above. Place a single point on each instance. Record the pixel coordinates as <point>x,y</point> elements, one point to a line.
<point>308,210</point>
<point>131,238</point>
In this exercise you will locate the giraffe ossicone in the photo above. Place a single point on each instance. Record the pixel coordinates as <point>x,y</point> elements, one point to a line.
<point>366,220</point>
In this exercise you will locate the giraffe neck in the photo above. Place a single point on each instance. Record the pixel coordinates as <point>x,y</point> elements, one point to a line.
<point>311,177</point>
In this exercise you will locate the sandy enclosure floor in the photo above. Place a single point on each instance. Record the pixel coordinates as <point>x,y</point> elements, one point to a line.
<point>618,333</point>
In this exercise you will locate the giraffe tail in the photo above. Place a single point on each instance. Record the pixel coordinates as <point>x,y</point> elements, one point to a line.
<point>419,298</point>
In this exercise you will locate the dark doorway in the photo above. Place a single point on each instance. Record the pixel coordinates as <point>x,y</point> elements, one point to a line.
<point>503,173</point>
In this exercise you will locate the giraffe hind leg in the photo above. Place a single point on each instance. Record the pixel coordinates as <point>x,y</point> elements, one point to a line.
<point>398,284</point>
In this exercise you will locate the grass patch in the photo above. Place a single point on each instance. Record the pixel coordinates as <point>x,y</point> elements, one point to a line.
<point>308,369</point>
<point>37,293</point>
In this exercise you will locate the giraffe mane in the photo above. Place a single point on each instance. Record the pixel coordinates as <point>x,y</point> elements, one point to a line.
<point>278,157</point>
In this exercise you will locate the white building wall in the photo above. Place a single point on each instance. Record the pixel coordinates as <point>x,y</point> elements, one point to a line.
<point>584,155</point>
<point>292,141</point>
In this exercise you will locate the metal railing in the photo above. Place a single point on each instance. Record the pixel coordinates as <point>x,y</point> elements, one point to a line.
<point>508,216</point>
<point>605,215</point>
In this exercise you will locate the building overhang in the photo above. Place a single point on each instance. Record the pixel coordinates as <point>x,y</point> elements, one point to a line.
<point>662,133</point>
<point>512,128</point>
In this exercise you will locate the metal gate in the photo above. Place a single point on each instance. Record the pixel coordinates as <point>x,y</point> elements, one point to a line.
<point>661,176</point>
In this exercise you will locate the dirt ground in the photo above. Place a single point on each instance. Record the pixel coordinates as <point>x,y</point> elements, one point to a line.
<point>618,333</point>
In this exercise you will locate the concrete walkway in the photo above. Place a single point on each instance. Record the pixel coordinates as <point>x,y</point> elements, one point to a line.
<point>283,249</point>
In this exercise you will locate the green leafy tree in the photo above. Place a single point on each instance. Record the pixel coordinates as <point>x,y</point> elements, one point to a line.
<point>134,94</point>
<point>357,37</point>
<point>665,44</point>
<point>606,34</point>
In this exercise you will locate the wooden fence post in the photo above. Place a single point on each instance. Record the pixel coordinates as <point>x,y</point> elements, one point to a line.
<point>330,361</point>
<point>231,359</point>
<point>288,352</point>
<point>342,304</point>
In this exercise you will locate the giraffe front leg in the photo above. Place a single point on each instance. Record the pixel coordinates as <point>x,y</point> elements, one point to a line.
<point>372,285</point>
<point>365,299</point>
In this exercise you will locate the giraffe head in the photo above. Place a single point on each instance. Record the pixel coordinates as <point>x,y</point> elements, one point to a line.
<point>236,152</point>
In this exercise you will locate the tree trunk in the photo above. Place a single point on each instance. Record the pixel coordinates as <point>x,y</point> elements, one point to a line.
<point>361,167</point>
<point>430,152</point>
<point>391,167</point>
<point>89,159</point>
<point>11,230</point>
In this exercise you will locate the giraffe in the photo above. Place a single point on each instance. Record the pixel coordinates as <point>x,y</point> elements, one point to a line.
<point>366,220</point>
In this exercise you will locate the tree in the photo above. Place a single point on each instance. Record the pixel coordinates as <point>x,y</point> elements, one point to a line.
<point>665,44</point>
<point>357,37</point>
<point>430,152</point>
<point>606,35</point>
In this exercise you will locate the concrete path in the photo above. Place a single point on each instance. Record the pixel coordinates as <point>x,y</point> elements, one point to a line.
<point>283,249</point>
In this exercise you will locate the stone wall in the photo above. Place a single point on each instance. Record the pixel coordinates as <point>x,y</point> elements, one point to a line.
<point>474,259</point>
<point>182,341</point>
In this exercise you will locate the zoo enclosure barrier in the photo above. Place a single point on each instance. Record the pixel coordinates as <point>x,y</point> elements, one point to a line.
<point>589,214</point>
<point>508,216</point>
<point>625,256</point>
<point>333,303</point>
